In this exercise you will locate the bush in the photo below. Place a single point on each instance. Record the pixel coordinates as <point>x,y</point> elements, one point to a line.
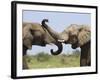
<point>42,57</point>
<point>76,53</point>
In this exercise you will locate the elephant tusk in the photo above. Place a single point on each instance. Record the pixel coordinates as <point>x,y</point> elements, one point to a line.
<point>61,40</point>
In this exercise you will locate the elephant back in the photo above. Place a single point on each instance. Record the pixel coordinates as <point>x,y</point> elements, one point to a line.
<point>35,26</point>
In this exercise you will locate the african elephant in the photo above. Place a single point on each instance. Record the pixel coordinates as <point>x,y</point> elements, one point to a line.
<point>36,34</point>
<point>77,36</point>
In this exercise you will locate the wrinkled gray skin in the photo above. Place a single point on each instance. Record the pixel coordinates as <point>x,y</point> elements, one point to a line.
<point>77,36</point>
<point>35,34</point>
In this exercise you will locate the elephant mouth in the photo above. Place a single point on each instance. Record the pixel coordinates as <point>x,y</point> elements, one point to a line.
<point>43,44</point>
<point>39,43</point>
<point>75,45</point>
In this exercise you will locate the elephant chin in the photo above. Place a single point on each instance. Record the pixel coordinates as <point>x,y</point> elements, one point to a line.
<point>74,47</point>
<point>60,48</point>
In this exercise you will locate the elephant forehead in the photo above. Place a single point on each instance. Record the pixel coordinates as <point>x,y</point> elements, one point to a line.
<point>72,31</point>
<point>72,28</point>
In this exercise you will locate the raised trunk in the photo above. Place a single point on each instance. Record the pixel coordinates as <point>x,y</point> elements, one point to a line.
<point>55,35</point>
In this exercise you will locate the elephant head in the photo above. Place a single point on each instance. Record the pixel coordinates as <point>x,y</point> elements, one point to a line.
<point>77,35</point>
<point>35,34</point>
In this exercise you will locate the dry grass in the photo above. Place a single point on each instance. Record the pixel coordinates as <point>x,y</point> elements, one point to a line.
<point>43,60</point>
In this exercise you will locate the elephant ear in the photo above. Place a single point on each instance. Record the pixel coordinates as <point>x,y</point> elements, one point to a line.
<point>84,35</point>
<point>27,36</point>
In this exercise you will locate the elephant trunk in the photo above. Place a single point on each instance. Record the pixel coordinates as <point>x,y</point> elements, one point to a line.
<point>55,35</point>
<point>60,48</point>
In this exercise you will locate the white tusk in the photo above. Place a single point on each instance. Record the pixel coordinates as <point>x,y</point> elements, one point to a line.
<point>61,40</point>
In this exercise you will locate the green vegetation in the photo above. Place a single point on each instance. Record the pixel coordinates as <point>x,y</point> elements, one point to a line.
<point>44,60</point>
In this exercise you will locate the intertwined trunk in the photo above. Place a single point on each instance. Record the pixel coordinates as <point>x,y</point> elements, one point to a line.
<point>55,35</point>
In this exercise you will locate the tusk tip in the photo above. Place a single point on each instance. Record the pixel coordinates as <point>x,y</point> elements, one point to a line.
<point>61,40</point>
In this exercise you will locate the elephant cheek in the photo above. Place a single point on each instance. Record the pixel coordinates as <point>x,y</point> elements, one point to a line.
<point>28,43</point>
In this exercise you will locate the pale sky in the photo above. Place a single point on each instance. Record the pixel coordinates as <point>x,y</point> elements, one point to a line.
<point>58,21</point>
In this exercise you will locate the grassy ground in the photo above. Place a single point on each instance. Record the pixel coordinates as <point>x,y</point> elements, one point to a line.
<point>42,60</point>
